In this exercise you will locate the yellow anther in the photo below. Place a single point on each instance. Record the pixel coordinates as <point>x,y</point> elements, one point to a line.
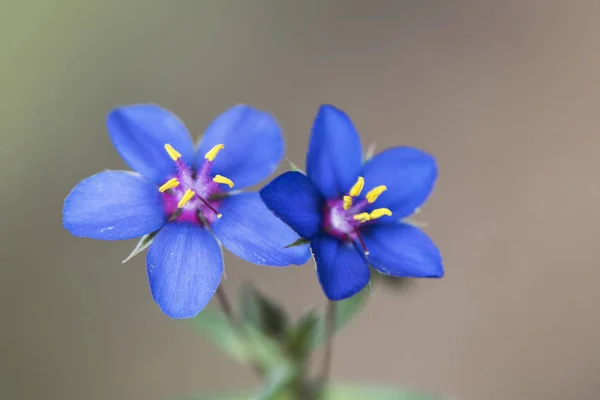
<point>170,184</point>
<point>212,153</point>
<point>187,196</point>
<point>380,212</point>
<point>347,202</point>
<point>219,215</point>
<point>174,154</point>
<point>222,179</point>
<point>362,217</point>
<point>358,187</point>
<point>374,193</point>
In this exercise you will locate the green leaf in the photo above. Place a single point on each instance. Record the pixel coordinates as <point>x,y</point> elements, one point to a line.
<point>410,220</point>
<point>243,343</point>
<point>345,311</point>
<point>346,391</point>
<point>216,328</point>
<point>300,336</point>
<point>392,282</point>
<point>276,387</point>
<point>336,391</point>
<point>370,152</point>
<point>142,245</point>
<point>232,396</point>
<point>262,313</point>
<point>298,242</point>
<point>276,383</point>
<point>293,167</point>
<point>413,222</point>
<point>263,350</point>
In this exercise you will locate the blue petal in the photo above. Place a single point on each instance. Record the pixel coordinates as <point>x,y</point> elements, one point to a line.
<point>402,250</point>
<point>250,231</point>
<point>184,266</point>
<point>253,145</point>
<point>409,175</point>
<point>139,132</point>
<point>334,156</point>
<point>341,269</point>
<point>113,205</point>
<point>297,201</point>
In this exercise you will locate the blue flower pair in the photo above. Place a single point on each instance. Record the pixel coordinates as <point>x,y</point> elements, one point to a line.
<point>184,195</point>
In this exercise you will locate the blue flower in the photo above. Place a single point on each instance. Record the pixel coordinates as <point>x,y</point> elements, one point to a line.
<point>186,195</point>
<point>351,211</point>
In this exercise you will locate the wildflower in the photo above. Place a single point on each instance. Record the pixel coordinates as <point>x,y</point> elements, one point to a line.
<point>186,196</point>
<point>352,212</point>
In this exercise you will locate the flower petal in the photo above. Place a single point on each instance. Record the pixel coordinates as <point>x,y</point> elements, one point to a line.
<point>334,156</point>
<point>297,201</point>
<point>403,250</point>
<point>250,231</point>
<point>341,269</point>
<point>113,205</point>
<point>409,175</point>
<point>184,265</point>
<point>253,145</point>
<point>139,132</point>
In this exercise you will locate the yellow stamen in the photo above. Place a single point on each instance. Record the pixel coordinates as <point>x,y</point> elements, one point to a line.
<point>362,217</point>
<point>174,154</point>
<point>187,196</point>
<point>347,202</point>
<point>358,187</point>
<point>170,184</point>
<point>212,153</point>
<point>380,212</point>
<point>222,179</point>
<point>374,193</point>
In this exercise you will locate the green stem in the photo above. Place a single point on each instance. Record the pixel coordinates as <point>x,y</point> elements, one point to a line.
<point>329,330</point>
<point>226,305</point>
<point>235,323</point>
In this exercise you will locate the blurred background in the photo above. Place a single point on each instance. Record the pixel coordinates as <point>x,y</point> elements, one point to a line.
<point>505,94</point>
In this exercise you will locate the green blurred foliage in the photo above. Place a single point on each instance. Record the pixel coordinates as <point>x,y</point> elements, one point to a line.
<point>265,338</point>
<point>336,391</point>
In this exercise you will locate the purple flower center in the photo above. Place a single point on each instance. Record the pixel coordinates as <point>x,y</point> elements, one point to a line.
<point>192,195</point>
<point>343,218</point>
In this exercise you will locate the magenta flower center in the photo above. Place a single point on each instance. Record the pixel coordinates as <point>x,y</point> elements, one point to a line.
<point>193,195</point>
<point>344,217</point>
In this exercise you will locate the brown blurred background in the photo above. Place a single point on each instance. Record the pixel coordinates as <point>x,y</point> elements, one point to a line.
<point>504,93</point>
